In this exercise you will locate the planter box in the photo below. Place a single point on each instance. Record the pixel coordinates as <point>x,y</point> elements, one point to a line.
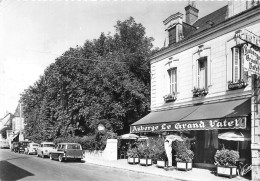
<point>184,166</point>
<point>162,163</point>
<point>145,161</point>
<point>230,171</point>
<point>133,160</point>
<point>237,85</point>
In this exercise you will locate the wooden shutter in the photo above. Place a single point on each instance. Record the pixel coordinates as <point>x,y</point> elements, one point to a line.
<point>236,64</point>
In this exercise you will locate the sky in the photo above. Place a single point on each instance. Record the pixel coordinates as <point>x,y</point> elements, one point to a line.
<point>35,32</point>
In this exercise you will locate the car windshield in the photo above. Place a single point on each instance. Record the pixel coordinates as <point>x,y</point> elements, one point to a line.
<point>49,145</point>
<point>76,147</point>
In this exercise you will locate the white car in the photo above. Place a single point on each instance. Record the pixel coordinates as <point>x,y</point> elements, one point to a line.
<point>31,148</point>
<point>45,148</point>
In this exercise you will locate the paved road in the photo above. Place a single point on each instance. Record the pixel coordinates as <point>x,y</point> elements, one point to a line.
<point>15,166</point>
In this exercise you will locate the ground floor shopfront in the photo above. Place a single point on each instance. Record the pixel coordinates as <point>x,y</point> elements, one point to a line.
<point>204,124</point>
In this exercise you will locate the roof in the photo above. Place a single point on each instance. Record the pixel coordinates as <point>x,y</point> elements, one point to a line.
<point>47,142</point>
<point>215,17</point>
<point>69,143</point>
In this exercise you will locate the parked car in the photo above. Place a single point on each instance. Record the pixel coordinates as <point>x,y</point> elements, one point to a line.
<point>14,146</point>
<point>66,151</point>
<point>22,145</point>
<point>4,144</point>
<point>45,148</point>
<point>31,148</point>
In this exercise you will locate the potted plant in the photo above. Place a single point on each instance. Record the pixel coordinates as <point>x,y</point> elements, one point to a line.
<point>157,152</point>
<point>132,154</point>
<point>162,159</point>
<point>226,162</point>
<point>199,92</point>
<point>184,156</point>
<point>170,97</point>
<point>144,153</point>
<point>237,85</point>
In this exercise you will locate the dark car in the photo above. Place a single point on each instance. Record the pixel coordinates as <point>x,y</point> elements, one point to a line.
<point>22,145</point>
<point>67,151</point>
<point>14,146</point>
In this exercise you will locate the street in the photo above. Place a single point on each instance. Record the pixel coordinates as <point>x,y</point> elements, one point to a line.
<point>15,166</point>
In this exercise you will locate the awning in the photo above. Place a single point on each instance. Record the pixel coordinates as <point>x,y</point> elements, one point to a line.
<point>221,115</point>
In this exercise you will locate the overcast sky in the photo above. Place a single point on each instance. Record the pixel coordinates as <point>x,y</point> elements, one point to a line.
<point>34,32</point>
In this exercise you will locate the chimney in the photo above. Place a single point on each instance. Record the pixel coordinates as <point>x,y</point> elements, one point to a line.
<point>191,13</point>
<point>173,29</point>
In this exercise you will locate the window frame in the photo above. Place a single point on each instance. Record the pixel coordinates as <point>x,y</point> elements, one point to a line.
<point>239,76</point>
<point>172,33</point>
<point>173,80</point>
<point>205,61</point>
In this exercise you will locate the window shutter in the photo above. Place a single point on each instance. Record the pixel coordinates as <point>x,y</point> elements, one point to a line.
<point>236,64</point>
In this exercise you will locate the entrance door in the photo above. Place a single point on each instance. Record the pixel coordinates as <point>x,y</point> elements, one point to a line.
<point>206,146</point>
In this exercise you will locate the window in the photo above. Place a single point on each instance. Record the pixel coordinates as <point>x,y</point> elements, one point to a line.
<point>173,80</point>
<point>236,64</point>
<point>202,73</point>
<point>172,35</point>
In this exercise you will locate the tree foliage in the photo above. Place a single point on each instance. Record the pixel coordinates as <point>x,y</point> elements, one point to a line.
<point>106,81</point>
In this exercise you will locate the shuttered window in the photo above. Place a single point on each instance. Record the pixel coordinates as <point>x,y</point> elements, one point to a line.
<point>173,80</point>
<point>172,35</point>
<point>202,73</point>
<point>236,72</point>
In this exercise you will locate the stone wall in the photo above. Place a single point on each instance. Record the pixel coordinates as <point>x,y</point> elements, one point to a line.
<point>109,153</point>
<point>255,128</point>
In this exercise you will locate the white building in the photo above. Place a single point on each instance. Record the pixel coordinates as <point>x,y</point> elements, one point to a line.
<point>202,82</point>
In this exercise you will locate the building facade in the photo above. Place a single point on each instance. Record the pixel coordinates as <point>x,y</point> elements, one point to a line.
<point>205,82</point>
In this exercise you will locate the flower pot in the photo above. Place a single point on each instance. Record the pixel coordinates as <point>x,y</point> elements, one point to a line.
<point>162,163</point>
<point>133,160</point>
<point>184,166</point>
<point>145,161</point>
<point>230,171</point>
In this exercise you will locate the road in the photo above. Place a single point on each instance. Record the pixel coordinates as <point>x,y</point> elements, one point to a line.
<point>15,166</point>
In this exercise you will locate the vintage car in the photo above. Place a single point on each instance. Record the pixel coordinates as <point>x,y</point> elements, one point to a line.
<point>31,148</point>
<point>21,146</point>
<point>45,148</point>
<point>67,151</point>
<point>14,146</point>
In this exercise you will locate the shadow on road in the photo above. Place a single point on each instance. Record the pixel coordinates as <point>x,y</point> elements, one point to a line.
<point>12,172</point>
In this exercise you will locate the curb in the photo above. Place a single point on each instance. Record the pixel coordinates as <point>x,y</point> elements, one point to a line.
<point>145,172</point>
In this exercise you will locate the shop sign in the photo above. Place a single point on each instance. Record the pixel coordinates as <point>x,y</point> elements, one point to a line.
<point>226,123</point>
<point>248,37</point>
<point>251,56</point>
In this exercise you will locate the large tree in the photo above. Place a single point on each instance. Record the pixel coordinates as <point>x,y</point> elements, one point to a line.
<point>105,81</point>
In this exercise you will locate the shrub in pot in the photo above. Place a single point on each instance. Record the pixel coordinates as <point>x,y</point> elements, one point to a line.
<point>162,160</point>
<point>226,162</point>
<point>158,152</point>
<point>145,154</point>
<point>132,154</point>
<point>184,156</point>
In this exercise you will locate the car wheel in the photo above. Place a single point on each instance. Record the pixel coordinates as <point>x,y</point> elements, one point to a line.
<point>78,159</point>
<point>60,158</point>
<point>51,157</point>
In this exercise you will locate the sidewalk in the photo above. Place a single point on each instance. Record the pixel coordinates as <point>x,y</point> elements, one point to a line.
<point>194,175</point>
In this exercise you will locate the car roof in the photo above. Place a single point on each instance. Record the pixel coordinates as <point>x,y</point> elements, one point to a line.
<point>47,142</point>
<point>69,143</point>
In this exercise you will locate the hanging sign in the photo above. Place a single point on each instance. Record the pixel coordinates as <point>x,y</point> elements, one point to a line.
<point>251,57</point>
<point>225,123</point>
<point>248,37</point>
